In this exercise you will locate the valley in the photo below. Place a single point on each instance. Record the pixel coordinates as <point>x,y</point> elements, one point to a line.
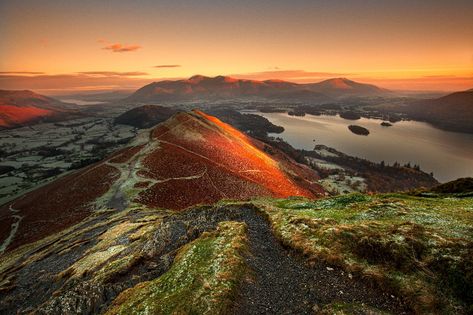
<point>172,209</point>
<point>32,156</point>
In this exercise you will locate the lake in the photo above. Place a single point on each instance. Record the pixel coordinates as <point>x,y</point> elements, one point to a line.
<point>449,155</point>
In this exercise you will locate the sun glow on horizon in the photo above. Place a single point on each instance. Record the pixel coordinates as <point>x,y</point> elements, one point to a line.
<point>94,45</point>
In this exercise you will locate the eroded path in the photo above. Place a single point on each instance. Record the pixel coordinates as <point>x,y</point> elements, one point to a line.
<point>283,284</point>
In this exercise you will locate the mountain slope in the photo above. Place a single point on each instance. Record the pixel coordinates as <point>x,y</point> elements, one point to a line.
<point>352,254</point>
<point>199,153</point>
<point>19,108</point>
<point>201,87</point>
<point>452,112</point>
<point>145,116</point>
<point>192,158</point>
<point>338,87</point>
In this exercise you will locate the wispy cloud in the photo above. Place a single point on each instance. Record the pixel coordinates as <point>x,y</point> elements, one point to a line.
<point>114,73</point>
<point>167,66</point>
<point>117,47</point>
<point>21,72</point>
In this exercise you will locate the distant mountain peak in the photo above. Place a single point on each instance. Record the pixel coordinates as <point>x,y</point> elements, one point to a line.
<point>346,87</point>
<point>340,83</point>
<point>197,78</point>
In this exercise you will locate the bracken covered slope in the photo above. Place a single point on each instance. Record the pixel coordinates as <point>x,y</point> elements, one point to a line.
<point>199,153</point>
<point>192,158</point>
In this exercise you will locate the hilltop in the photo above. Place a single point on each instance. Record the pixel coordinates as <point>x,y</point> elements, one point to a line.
<point>23,108</point>
<point>344,87</point>
<point>145,116</point>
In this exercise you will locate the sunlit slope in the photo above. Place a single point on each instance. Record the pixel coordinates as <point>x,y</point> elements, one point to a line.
<point>190,159</point>
<point>21,108</point>
<point>200,154</point>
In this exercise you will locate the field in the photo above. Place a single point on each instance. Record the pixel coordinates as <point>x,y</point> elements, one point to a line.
<point>33,156</point>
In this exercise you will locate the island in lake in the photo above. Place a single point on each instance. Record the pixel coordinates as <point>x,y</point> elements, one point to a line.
<point>359,130</point>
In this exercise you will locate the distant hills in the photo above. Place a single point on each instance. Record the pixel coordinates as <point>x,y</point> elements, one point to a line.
<point>451,112</point>
<point>145,116</point>
<point>21,108</point>
<point>223,87</point>
<point>343,87</point>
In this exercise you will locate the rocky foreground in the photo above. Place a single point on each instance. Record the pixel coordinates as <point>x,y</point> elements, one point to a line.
<point>354,254</point>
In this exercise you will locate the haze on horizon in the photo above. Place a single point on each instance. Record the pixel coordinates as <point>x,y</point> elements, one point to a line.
<point>107,45</point>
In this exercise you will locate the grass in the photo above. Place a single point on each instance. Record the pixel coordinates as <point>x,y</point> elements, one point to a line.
<point>202,280</point>
<point>348,308</point>
<point>418,248</point>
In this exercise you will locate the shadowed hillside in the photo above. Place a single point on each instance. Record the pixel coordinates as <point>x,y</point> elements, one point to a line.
<point>451,112</point>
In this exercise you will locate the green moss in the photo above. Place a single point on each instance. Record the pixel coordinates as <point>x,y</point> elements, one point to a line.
<point>202,280</point>
<point>118,266</point>
<point>92,261</point>
<point>419,248</point>
<point>348,309</point>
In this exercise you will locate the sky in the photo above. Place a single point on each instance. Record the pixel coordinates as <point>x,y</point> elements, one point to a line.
<point>105,45</point>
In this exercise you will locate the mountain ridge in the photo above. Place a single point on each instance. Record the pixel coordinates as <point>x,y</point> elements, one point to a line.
<point>24,107</point>
<point>192,158</point>
<point>203,87</point>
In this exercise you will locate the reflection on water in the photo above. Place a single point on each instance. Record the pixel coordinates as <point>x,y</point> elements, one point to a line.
<point>449,155</point>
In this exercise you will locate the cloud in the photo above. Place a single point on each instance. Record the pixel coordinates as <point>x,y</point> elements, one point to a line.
<point>117,47</point>
<point>167,66</point>
<point>21,72</point>
<point>114,73</point>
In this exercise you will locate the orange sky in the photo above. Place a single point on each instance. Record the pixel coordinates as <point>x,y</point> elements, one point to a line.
<point>409,45</point>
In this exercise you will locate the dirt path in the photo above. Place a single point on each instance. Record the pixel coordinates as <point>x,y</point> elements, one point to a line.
<point>283,284</point>
<point>14,228</point>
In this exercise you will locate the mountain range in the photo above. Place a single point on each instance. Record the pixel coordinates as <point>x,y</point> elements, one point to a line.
<point>224,87</point>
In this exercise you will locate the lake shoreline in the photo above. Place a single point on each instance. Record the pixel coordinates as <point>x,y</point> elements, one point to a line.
<point>449,155</point>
